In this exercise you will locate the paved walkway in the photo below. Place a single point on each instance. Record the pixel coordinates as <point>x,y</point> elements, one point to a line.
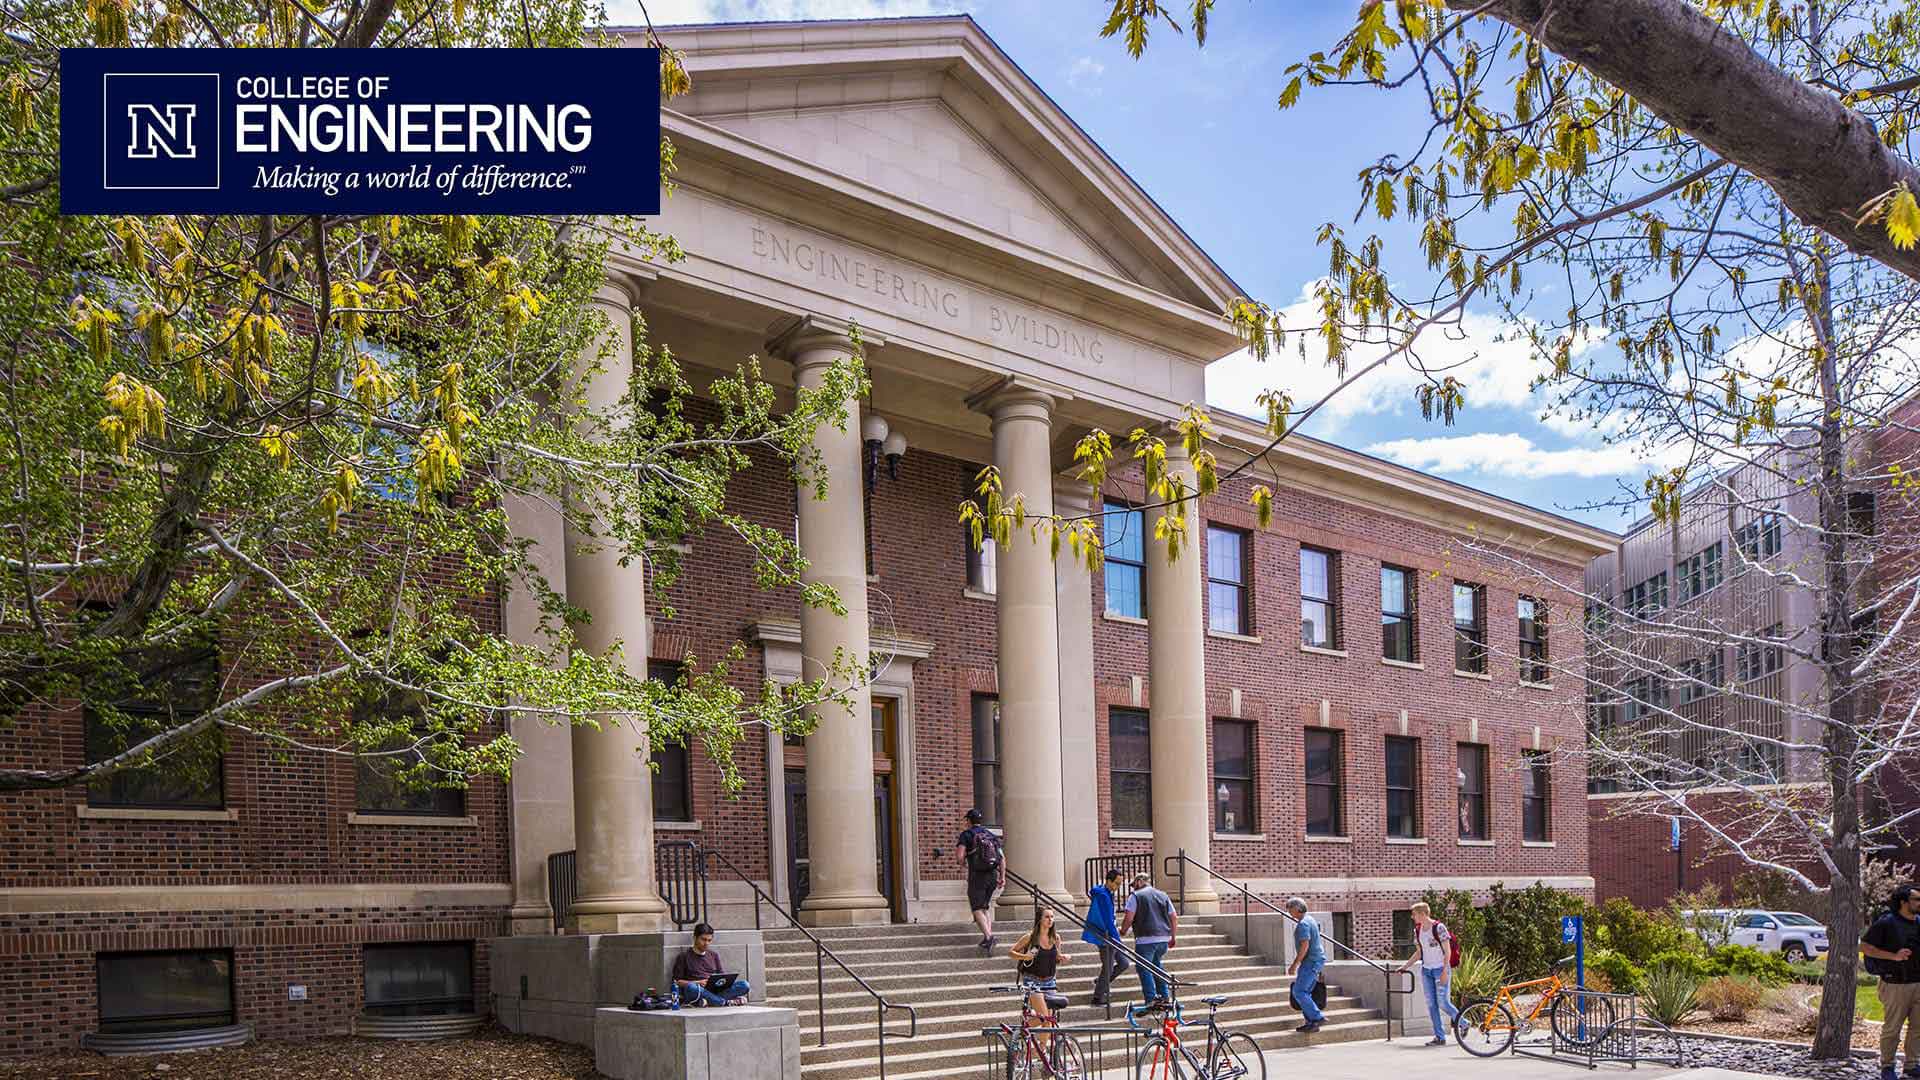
<point>1413,1059</point>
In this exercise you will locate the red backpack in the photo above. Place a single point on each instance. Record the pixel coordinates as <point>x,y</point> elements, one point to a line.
<point>1453,943</point>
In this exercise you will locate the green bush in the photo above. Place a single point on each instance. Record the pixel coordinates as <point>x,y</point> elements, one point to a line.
<point>1671,992</point>
<point>1690,962</point>
<point>1455,908</point>
<point>1522,927</point>
<point>1638,935</point>
<point>1479,975</point>
<point>1809,972</point>
<point>1745,961</point>
<point>1620,975</point>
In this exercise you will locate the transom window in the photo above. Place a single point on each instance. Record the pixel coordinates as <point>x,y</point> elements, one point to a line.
<point>1323,782</point>
<point>1398,639</point>
<point>1227,608</point>
<point>1403,787</point>
<point>1533,641</point>
<point>164,991</point>
<point>1470,628</point>
<point>1130,757</point>
<point>1233,804</point>
<point>1319,599</point>
<point>1473,791</point>
<point>1123,529</point>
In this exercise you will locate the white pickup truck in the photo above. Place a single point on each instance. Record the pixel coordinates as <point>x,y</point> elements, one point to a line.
<point>1793,935</point>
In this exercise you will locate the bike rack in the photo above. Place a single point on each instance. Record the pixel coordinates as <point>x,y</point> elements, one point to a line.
<point>1611,1029</point>
<point>1098,1044</point>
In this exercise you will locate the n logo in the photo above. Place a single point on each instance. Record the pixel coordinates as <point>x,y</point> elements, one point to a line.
<point>161,127</point>
<point>162,131</point>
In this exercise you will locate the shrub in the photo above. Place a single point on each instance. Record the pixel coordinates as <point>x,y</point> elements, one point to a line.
<point>1455,908</point>
<point>1638,935</point>
<point>1789,1011</point>
<point>1690,962</point>
<point>1522,926</point>
<point>1731,997</point>
<point>1479,975</point>
<point>1746,961</point>
<point>1620,975</point>
<point>1671,993</point>
<point>1808,972</point>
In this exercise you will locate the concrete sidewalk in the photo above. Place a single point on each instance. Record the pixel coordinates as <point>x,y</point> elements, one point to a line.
<point>1413,1059</point>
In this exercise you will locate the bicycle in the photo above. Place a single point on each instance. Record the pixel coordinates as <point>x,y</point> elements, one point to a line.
<point>1231,1055</point>
<point>1027,1059</point>
<point>1488,1026</point>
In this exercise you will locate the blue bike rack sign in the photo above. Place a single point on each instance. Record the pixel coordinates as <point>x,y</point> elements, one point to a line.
<point>1573,932</point>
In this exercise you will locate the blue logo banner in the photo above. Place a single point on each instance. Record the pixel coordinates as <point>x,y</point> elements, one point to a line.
<point>360,131</point>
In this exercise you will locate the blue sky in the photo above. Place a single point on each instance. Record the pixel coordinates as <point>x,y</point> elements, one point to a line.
<point>1199,131</point>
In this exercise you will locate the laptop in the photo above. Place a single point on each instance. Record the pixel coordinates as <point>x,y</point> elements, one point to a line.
<point>721,983</point>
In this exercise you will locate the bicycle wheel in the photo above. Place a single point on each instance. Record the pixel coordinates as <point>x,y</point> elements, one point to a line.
<point>1237,1057</point>
<point>1158,1061</point>
<point>1022,1056</point>
<point>1581,1021</point>
<point>1485,1028</point>
<point>1068,1063</point>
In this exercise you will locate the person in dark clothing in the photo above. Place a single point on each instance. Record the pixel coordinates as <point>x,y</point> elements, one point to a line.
<point>979,848</point>
<point>1892,948</point>
<point>1040,957</point>
<point>1103,933</point>
<point>692,969</point>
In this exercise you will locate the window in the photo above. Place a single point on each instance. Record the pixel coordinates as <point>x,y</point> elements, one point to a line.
<point>1600,614</point>
<point>1323,782</point>
<point>1402,935</point>
<point>419,979</point>
<point>1319,603</point>
<point>169,688</point>
<point>1536,800</point>
<point>1398,641</point>
<point>1233,807</point>
<point>1704,676</point>
<point>1861,514</point>
<point>1759,537</point>
<point>673,769</point>
<point>1533,641</point>
<point>1130,756</point>
<point>164,991</point>
<point>1646,696</point>
<point>983,566</point>
<point>1470,628</point>
<point>1227,581</point>
<point>1473,791</point>
<point>1701,572</point>
<point>988,791</point>
<point>1753,660</point>
<point>1649,597</point>
<point>1403,787</point>
<point>1342,929</point>
<point>1124,529</point>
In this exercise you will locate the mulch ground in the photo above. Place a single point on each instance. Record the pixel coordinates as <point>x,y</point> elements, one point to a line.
<point>491,1055</point>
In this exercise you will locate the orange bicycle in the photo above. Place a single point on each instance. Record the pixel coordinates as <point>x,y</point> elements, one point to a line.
<point>1488,1026</point>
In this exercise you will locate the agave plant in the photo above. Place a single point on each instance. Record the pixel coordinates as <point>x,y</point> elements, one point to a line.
<point>1479,975</point>
<point>1671,993</point>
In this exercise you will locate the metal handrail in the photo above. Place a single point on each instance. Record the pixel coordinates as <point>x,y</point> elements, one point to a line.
<point>1176,866</point>
<point>1059,908</point>
<point>821,955</point>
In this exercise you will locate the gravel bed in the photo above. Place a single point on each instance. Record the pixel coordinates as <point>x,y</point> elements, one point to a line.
<point>491,1055</point>
<point>1776,1059</point>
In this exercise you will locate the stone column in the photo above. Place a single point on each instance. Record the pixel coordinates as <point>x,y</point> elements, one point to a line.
<point>1073,599</point>
<point>612,780</point>
<point>1030,752</point>
<point>542,784</point>
<point>1177,678</point>
<point>842,856</point>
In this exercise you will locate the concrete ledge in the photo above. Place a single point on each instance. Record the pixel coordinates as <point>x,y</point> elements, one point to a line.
<point>737,1043</point>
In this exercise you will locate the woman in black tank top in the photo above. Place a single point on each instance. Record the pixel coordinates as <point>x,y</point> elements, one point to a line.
<point>1040,957</point>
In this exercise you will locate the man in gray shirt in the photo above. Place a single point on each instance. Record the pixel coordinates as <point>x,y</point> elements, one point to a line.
<point>1155,926</point>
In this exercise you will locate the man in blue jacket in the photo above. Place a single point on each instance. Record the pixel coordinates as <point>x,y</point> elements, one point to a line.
<point>1103,933</point>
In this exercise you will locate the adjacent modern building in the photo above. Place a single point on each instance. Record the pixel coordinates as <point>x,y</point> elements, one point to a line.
<point>1348,704</point>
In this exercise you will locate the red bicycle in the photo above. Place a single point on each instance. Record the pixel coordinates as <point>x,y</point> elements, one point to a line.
<point>1230,1055</point>
<point>1035,1049</point>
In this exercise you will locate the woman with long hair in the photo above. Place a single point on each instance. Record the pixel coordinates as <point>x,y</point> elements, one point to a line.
<point>1040,957</point>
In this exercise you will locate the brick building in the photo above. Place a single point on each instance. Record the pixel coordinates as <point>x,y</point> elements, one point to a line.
<point>1013,288</point>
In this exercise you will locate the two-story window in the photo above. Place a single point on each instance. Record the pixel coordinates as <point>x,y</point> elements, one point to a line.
<point>672,765</point>
<point>1472,779</point>
<point>165,689</point>
<point>1701,572</point>
<point>988,791</point>
<point>1399,636</point>
<point>1233,801</point>
<point>1759,537</point>
<point>1533,641</point>
<point>1130,764</point>
<point>1123,529</point>
<point>1536,799</point>
<point>1324,783</point>
<point>1403,787</point>
<point>1704,675</point>
<point>1227,579</point>
<point>1469,628</point>
<point>1754,660</point>
<point>1319,598</point>
<point>1649,597</point>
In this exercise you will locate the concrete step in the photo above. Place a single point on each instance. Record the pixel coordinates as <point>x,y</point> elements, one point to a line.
<point>857,1025</point>
<point>881,961</point>
<point>853,1002</point>
<point>955,943</point>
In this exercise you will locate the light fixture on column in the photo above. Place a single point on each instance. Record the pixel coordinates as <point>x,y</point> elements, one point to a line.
<point>895,448</point>
<point>873,434</point>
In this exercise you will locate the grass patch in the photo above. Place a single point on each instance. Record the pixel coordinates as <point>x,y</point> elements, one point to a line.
<point>1866,1002</point>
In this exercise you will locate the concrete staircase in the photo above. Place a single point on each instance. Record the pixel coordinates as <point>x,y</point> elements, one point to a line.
<point>940,971</point>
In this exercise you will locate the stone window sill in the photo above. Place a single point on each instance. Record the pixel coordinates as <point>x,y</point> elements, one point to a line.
<point>1311,839</point>
<point>676,826</point>
<point>1410,841</point>
<point>1481,675</point>
<point>1129,620</point>
<point>1130,834</point>
<point>1318,651</point>
<point>142,813</point>
<point>1228,635</point>
<point>424,821</point>
<point>976,594</point>
<point>1536,843</point>
<point>1536,685</point>
<point>1474,843</point>
<point>1240,837</point>
<point>1411,665</point>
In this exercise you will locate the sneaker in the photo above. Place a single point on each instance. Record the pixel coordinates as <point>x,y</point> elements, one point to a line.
<point>1887,1073</point>
<point>1437,1041</point>
<point>989,944</point>
<point>1308,1027</point>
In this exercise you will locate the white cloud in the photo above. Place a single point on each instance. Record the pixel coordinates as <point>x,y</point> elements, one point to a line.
<point>670,12</point>
<point>1084,73</point>
<point>1513,455</point>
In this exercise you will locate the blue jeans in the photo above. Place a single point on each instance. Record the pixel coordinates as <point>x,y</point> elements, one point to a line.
<point>1303,981</point>
<point>1152,986</point>
<point>698,993</point>
<point>1438,983</point>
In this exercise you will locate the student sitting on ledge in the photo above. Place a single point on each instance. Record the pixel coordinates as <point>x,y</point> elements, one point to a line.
<point>692,969</point>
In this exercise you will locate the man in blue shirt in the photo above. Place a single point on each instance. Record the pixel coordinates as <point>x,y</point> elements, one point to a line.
<point>1103,933</point>
<point>1308,959</point>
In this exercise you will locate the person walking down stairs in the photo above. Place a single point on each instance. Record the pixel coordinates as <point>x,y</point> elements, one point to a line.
<point>1104,934</point>
<point>1040,956</point>
<point>1308,959</point>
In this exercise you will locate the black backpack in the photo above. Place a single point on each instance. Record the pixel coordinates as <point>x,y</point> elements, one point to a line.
<point>986,853</point>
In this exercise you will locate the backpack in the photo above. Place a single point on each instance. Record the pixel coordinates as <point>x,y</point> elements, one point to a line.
<point>1453,943</point>
<point>986,853</point>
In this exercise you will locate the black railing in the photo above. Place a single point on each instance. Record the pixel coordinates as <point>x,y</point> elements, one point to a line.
<point>561,885</point>
<point>677,866</point>
<point>1140,862</point>
<point>1059,909</point>
<point>1176,867</point>
<point>700,856</point>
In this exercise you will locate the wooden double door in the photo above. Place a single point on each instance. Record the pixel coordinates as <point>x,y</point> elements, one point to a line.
<point>889,872</point>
